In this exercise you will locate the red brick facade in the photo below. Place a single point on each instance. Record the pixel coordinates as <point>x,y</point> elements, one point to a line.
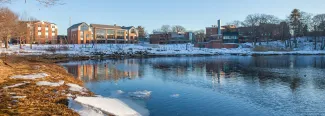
<point>41,32</point>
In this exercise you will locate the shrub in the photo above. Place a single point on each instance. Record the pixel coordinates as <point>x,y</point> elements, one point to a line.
<point>51,49</point>
<point>260,49</point>
<point>265,49</point>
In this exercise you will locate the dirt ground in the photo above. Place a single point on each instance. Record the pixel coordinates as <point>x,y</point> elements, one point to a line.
<point>39,100</point>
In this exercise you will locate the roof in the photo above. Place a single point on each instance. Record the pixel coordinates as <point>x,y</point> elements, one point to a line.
<point>128,28</point>
<point>76,25</point>
<point>105,26</point>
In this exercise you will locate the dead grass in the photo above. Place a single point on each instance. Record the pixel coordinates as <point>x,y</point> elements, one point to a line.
<point>40,100</point>
<point>265,49</point>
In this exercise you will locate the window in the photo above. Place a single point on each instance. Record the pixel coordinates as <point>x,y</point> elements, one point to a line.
<point>84,27</point>
<point>47,26</point>
<point>53,31</point>
<point>39,31</point>
<point>39,25</point>
<point>47,31</point>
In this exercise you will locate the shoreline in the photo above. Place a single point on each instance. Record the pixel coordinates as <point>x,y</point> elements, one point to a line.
<point>59,58</point>
<point>37,87</point>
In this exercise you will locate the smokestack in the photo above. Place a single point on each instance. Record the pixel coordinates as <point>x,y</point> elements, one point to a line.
<point>219,27</point>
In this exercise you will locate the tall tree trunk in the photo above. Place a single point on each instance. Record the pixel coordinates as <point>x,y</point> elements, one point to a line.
<point>20,43</point>
<point>323,46</point>
<point>290,43</point>
<point>31,42</point>
<point>315,42</point>
<point>255,41</point>
<point>6,43</point>
<point>296,43</point>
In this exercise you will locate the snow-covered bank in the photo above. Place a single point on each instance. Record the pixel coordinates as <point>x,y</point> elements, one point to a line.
<point>305,47</point>
<point>112,106</point>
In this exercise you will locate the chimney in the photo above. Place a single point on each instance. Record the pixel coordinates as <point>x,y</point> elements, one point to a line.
<point>219,27</point>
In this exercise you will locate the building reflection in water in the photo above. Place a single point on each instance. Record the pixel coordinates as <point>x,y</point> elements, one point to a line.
<point>210,71</point>
<point>113,70</point>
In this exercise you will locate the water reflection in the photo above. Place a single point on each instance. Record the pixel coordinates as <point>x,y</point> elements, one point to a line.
<point>286,85</point>
<point>104,70</point>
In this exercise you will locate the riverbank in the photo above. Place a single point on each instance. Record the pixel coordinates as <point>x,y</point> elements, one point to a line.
<point>97,51</point>
<point>31,86</point>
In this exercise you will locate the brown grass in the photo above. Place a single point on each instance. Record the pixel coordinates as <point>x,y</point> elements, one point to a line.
<point>40,100</point>
<point>265,49</point>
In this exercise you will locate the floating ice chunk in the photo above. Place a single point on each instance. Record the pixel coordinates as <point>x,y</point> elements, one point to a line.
<point>18,97</point>
<point>174,95</point>
<point>140,94</point>
<point>116,94</point>
<point>76,88</point>
<point>114,106</point>
<point>119,92</point>
<point>31,76</point>
<point>46,83</point>
<point>15,85</point>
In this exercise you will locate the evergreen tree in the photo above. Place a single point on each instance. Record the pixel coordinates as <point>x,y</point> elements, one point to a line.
<point>295,22</point>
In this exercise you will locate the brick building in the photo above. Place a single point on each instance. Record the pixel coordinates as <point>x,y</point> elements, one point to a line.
<point>40,32</point>
<point>171,38</point>
<point>82,33</point>
<point>213,30</point>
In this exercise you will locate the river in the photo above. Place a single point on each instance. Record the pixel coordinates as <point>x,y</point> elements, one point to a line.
<point>212,86</point>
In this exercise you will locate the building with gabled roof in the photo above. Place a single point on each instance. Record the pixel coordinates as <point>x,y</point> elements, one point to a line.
<point>99,33</point>
<point>80,33</point>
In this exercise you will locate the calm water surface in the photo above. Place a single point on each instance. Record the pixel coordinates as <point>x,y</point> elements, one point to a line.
<point>212,86</point>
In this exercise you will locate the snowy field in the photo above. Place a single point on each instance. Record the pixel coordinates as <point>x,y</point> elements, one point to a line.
<point>304,47</point>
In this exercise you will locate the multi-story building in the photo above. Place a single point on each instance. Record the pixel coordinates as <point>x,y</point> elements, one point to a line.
<point>41,32</point>
<point>82,33</point>
<point>171,38</point>
<point>214,31</point>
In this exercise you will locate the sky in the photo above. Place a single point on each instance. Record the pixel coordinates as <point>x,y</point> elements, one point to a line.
<point>152,14</point>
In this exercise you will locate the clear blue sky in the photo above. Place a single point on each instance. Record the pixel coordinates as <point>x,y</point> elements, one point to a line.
<point>192,14</point>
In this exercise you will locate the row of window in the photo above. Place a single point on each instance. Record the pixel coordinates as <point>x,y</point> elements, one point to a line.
<point>46,31</point>
<point>46,26</point>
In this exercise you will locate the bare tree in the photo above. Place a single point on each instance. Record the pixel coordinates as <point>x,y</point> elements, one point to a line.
<point>236,23</point>
<point>141,31</point>
<point>165,29</point>
<point>199,35</point>
<point>46,3</point>
<point>8,22</point>
<point>178,29</point>
<point>319,22</point>
<point>252,21</point>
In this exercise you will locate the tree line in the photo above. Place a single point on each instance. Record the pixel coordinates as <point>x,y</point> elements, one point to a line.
<point>15,26</point>
<point>260,27</point>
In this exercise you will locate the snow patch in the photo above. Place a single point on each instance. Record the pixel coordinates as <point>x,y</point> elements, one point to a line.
<point>76,88</point>
<point>15,85</point>
<point>18,97</point>
<point>46,83</point>
<point>114,106</point>
<point>31,76</point>
<point>140,94</point>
